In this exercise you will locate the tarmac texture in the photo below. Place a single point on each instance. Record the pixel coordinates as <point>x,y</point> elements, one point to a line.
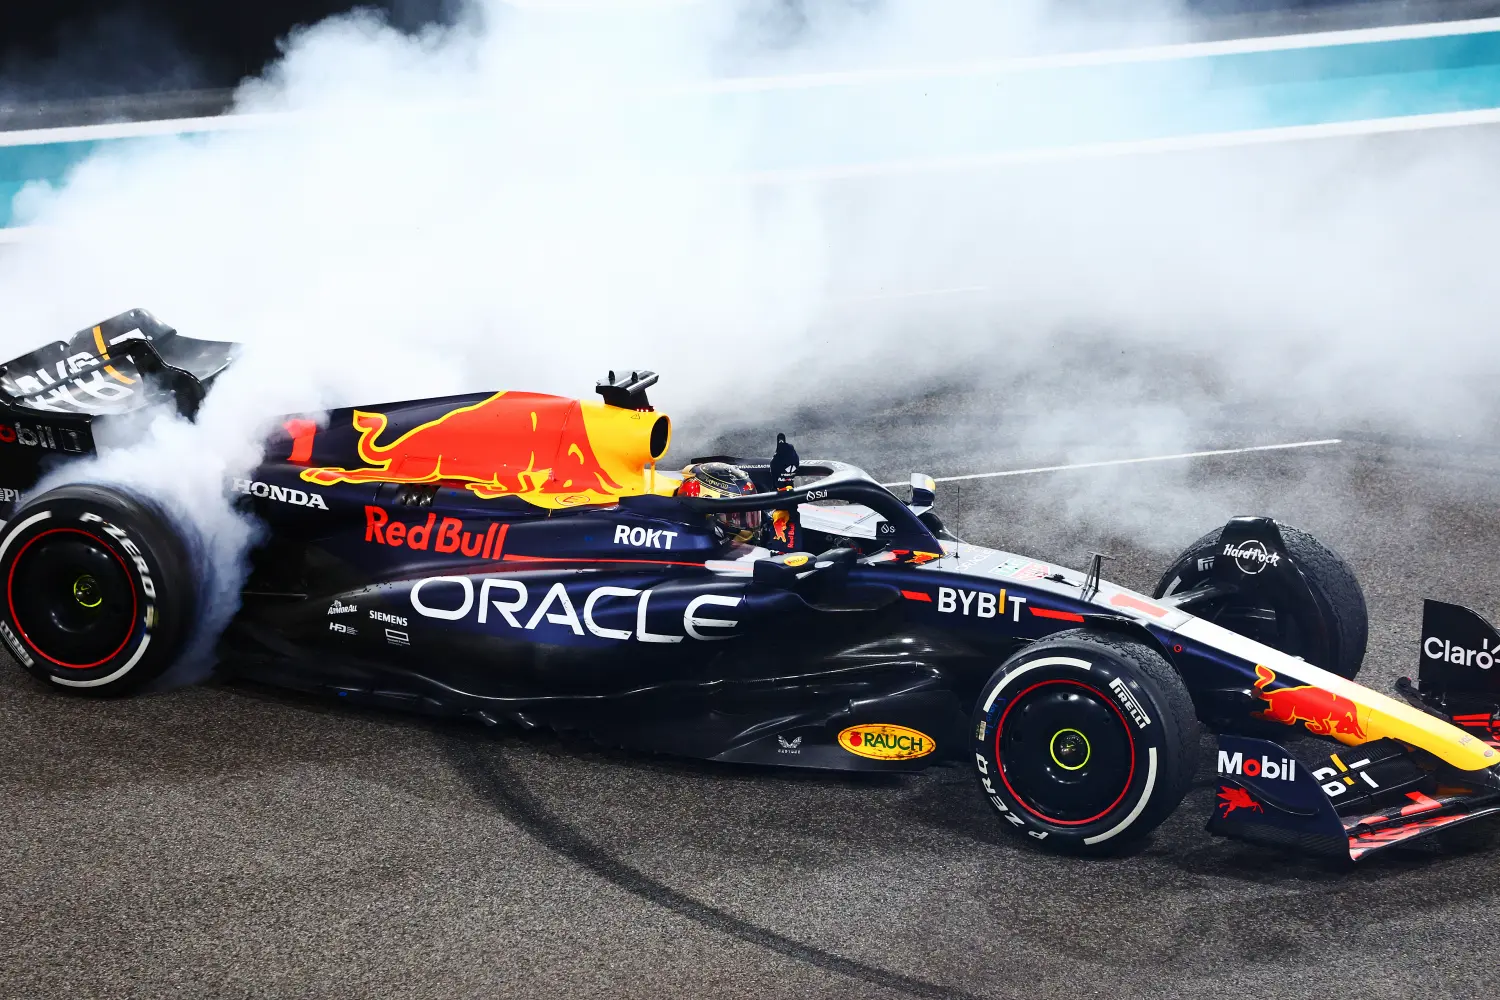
<point>223,841</point>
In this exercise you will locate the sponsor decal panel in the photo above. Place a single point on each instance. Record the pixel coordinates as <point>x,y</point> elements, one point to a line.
<point>281,494</point>
<point>644,538</point>
<point>342,628</point>
<point>1272,769</point>
<point>42,436</point>
<point>884,741</point>
<point>1322,712</point>
<point>78,381</point>
<point>445,535</point>
<point>1252,556</point>
<point>1436,648</point>
<point>396,637</point>
<point>789,746</point>
<point>1339,778</point>
<point>381,616</point>
<point>458,598</point>
<point>338,607</point>
<point>979,603</point>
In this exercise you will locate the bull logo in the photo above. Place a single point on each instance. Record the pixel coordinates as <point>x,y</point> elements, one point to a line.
<point>513,443</point>
<point>1323,712</point>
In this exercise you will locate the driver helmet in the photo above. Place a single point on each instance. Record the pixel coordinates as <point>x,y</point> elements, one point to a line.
<point>716,480</point>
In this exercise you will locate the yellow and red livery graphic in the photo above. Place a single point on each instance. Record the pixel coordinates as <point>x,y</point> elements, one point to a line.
<point>549,450</point>
<point>1323,712</point>
<point>882,741</point>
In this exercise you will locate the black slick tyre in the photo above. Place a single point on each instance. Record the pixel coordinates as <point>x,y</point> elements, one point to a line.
<point>97,592</point>
<point>1337,644</point>
<point>1084,742</point>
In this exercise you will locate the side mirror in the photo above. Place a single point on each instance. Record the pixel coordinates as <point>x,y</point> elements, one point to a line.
<point>790,569</point>
<point>782,570</point>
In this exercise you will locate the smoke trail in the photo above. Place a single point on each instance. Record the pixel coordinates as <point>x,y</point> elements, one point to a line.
<point>526,198</point>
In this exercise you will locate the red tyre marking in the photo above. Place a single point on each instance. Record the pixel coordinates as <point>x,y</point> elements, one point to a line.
<point>10,597</point>
<point>1129,776</point>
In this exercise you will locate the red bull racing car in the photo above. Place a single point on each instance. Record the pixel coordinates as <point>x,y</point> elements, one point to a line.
<point>515,557</point>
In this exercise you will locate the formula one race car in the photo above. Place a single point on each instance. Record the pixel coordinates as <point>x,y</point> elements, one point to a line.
<point>519,557</point>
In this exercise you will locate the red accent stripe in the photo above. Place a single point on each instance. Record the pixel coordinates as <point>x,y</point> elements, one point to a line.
<point>1066,616</point>
<point>1422,803</point>
<point>302,432</point>
<point>916,595</point>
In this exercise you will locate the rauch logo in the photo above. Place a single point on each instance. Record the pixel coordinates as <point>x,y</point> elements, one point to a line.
<point>880,741</point>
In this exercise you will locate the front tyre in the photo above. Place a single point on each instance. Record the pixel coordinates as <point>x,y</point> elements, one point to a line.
<point>96,590</point>
<point>1330,632</point>
<point>1085,742</point>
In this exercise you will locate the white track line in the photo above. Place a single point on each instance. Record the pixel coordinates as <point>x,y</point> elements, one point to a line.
<point>806,81</point>
<point>1134,461</point>
<point>1099,150</point>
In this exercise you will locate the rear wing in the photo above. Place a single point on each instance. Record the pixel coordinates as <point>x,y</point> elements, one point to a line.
<point>53,399</point>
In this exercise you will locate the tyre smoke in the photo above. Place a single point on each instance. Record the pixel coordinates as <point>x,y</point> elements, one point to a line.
<point>536,194</point>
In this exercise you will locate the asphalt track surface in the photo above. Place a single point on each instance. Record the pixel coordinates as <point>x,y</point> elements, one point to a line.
<point>223,841</point>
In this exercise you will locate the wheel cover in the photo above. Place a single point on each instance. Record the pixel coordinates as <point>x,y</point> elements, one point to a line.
<point>1066,752</point>
<point>72,598</point>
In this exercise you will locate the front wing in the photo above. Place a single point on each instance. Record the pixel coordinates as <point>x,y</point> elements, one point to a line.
<point>1361,799</point>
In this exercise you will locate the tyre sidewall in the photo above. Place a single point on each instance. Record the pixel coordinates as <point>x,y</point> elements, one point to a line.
<point>1142,711</point>
<point>140,539</point>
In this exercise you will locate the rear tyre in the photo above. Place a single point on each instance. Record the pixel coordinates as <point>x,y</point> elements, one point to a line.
<point>1337,645</point>
<point>1085,742</point>
<point>97,592</point>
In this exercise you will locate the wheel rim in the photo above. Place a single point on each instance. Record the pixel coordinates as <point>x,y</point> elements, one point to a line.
<point>72,598</point>
<point>1066,752</point>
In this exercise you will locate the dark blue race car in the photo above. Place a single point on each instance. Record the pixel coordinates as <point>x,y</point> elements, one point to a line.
<point>520,558</point>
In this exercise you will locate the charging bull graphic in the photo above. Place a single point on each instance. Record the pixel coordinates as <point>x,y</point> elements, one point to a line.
<point>1324,713</point>
<point>513,443</point>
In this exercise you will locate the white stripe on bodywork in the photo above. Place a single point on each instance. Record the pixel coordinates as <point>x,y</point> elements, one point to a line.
<point>1046,661</point>
<point>1234,644</point>
<point>1140,805</point>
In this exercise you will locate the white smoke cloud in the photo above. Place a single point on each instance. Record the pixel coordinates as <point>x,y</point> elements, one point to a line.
<point>536,195</point>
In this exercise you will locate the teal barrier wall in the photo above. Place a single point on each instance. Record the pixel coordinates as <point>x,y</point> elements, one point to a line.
<point>1062,102</point>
